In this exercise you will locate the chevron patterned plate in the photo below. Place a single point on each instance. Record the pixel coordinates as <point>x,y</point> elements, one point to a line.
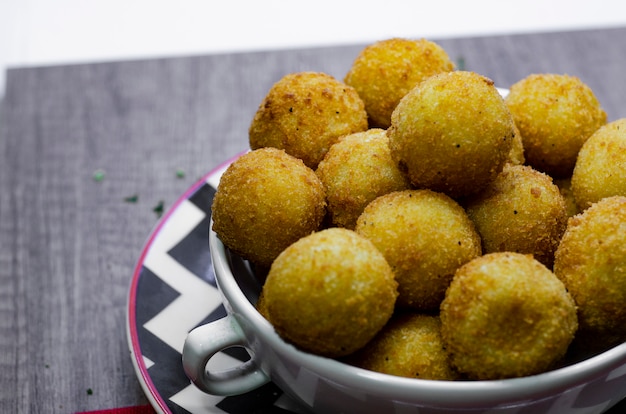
<point>173,290</point>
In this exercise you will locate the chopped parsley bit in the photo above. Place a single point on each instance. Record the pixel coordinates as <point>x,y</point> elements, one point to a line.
<point>131,199</point>
<point>47,365</point>
<point>460,63</point>
<point>98,175</point>
<point>158,209</point>
<point>89,391</point>
<point>180,173</point>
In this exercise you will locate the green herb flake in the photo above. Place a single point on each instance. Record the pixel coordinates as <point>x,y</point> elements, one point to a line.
<point>89,391</point>
<point>98,175</point>
<point>131,199</point>
<point>180,173</point>
<point>158,209</point>
<point>460,63</point>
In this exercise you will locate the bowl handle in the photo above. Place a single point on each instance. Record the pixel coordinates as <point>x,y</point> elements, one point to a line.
<point>205,341</point>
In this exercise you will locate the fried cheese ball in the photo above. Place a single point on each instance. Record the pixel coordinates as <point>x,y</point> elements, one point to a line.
<point>410,345</point>
<point>600,169</point>
<point>305,113</point>
<point>565,186</point>
<point>516,156</point>
<point>330,292</point>
<point>250,212</point>
<point>385,71</point>
<point>591,262</point>
<point>521,211</point>
<point>425,236</point>
<point>555,114</point>
<point>506,315</point>
<point>355,171</point>
<point>452,133</point>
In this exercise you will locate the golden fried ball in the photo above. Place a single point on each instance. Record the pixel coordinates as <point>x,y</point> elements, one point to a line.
<point>425,236</point>
<point>410,345</point>
<point>452,133</point>
<point>330,293</point>
<point>355,171</point>
<point>516,156</point>
<point>591,262</point>
<point>265,201</point>
<point>387,70</point>
<point>555,114</point>
<point>565,186</point>
<point>522,211</point>
<point>506,315</point>
<point>600,169</point>
<point>305,113</point>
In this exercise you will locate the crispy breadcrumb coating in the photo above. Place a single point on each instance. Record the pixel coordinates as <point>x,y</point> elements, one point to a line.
<point>555,114</point>
<point>410,345</point>
<point>516,156</point>
<point>265,201</point>
<point>506,315</point>
<point>591,262</point>
<point>425,236</point>
<point>600,169</point>
<point>565,186</point>
<point>386,70</point>
<point>305,113</point>
<point>330,293</point>
<point>452,133</point>
<point>522,211</point>
<point>355,171</point>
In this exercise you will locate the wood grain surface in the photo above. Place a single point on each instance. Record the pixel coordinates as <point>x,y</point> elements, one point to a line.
<point>69,243</point>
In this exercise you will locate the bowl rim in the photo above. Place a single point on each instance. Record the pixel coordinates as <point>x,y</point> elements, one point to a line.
<point>455,394</point>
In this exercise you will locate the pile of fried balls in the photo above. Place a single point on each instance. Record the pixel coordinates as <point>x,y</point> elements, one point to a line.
<point>411,220</point>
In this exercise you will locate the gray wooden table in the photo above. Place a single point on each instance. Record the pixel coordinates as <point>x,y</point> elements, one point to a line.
<point>88,152</point>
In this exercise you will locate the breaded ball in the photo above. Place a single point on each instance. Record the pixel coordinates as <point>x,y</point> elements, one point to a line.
<point>355,171</point>
<point>387,70</point>
<point>452,133</point>
<point>516,156</point>
<point>330,293</point>
<point>265,201</point>
<point>555,114</point>
<point>600,169</point>
<point>506,315</point>
<point>565,186</point>
<point>591,262</point>
<point>305,113</point>
<point>410,345</point>
<point>522,211</point>
<point>425,236</point>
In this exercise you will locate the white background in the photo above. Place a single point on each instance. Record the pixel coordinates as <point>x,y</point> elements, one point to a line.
<point>44,32</point>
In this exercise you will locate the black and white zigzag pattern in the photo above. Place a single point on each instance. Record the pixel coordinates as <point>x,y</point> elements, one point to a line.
<point>176,292</point>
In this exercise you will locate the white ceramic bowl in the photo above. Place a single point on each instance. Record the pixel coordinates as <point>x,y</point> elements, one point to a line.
<point>324,385</point>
